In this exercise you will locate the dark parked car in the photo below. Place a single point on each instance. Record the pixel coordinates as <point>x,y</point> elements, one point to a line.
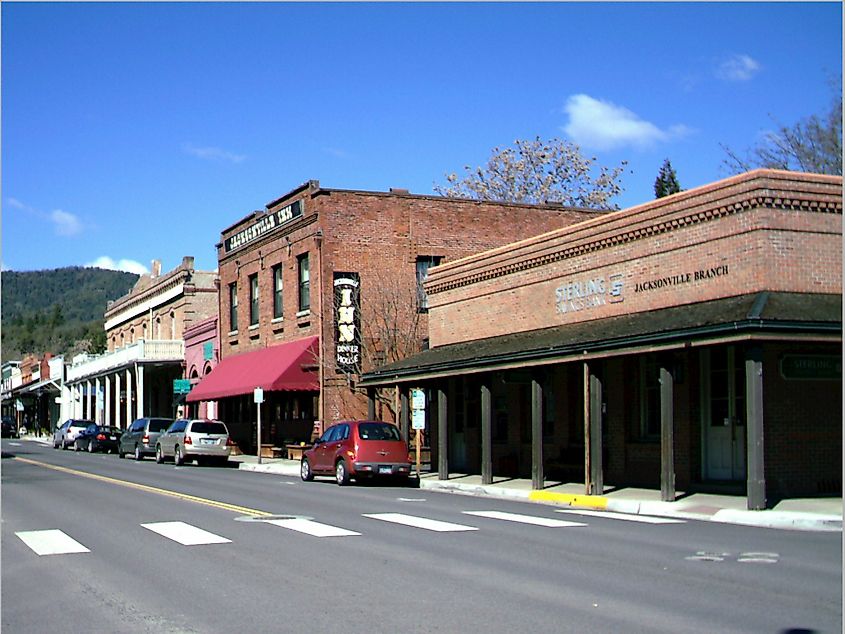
<point>140,438</point>
<point>356,449</point>
<point>10,430</point>
<point>97,438</point>
<point>66,433</point>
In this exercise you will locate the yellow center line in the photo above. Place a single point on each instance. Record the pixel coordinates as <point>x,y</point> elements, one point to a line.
<point>149,489</point>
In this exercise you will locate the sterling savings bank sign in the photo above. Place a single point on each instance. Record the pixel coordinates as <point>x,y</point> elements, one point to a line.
<point>583,294</point>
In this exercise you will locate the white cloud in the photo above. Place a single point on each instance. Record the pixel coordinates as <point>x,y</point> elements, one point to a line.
<point>64,223</point>
<point>14,202</point>
<point>130,266</point>
<point>213,153</point>
<point>737,68</point>
<point>605,126</point>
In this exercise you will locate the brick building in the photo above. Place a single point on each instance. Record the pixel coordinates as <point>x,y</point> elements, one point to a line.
<point>324,283</point>
<point>146,349</point>
<point>692,341</point>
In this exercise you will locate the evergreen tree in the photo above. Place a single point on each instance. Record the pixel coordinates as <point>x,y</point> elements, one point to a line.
<point>667,181</point>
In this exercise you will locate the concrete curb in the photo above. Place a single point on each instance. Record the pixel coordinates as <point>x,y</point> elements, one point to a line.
<point>278,469</point>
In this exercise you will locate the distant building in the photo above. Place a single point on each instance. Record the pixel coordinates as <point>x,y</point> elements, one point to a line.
<point>324,283</point>
<point>694,342</point>
<point>146,350</point>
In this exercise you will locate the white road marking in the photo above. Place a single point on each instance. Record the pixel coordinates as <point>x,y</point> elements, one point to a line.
<point>420,522</point>
<point>645,519</point>
<point>311,527</point>
<point>51,542</point>
<point>185,534</point>
<point>525,519</point>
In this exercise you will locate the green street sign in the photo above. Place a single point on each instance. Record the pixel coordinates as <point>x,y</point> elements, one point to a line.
<point>181,386</point>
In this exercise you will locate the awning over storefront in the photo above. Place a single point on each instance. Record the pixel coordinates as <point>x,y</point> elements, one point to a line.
<point>754,315</point>
<point>288,367</point>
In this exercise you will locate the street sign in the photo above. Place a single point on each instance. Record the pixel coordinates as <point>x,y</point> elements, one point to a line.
<point>181,386</point>
<point>417,409</point>
<point>258,395</point>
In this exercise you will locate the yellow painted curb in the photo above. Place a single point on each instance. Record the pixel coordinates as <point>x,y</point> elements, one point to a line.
<point>570,499</point>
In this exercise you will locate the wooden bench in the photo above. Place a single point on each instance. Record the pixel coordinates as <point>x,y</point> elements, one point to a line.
<point>295,451</point>
<point>269,451</point>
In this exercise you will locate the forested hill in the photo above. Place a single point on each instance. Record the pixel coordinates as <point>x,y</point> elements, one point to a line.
<point>58,311</point>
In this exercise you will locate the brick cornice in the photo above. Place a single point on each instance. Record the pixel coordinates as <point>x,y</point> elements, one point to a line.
<point>701,205</point>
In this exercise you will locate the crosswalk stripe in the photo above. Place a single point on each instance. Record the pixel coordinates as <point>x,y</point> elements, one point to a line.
<point>51,542</point>
<point>420,522</point>
<point>311,527</point>
<point>185,534</point>
<point>525,519</point>
<point>645,519</point>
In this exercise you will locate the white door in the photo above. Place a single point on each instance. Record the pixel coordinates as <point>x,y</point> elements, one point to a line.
<point>723,400</point>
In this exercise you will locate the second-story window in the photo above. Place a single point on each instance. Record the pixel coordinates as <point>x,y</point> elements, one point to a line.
<point>253,300</point>
<point>424,263</point>
<point>304,282</point>
<point>278,286</point>
<point>233,306</point>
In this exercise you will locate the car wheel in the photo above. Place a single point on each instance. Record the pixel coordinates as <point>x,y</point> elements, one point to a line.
<point>138,454</point>
<point>341,474</point>
<point>305,471</point>
<point>178,458</point>
<point>159,455</point>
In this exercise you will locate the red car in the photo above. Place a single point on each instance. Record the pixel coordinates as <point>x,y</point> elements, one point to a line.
<point>355,449</point>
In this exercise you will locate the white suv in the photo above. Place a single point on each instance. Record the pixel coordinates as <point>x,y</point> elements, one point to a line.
<point>201,440</point>
<point>66,433</point>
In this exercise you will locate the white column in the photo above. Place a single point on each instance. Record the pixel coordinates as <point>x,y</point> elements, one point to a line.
<point>89,409</point>
<point>98,410</point>
<point>117,401</point>
<point>129,417</point>
<point>139,382</point>
<point>108,400</point>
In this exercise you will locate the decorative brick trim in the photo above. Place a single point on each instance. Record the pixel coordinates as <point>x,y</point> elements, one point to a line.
<point>660,227</point>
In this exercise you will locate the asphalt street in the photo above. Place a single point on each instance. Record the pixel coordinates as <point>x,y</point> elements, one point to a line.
<point>205,549</point>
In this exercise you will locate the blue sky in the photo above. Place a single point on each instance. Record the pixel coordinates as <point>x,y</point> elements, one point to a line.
<point>133,132</point>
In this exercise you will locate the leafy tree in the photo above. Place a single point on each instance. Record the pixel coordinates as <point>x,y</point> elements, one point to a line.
<point>537,171</point>
<point>666,182</point>
<point>814,144</point>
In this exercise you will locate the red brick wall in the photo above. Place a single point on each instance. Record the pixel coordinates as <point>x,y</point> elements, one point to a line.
<point>379,236</point>
<point>765,242</point>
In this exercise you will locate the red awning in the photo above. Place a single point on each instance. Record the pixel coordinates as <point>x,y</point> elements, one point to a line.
<point>288,367</point>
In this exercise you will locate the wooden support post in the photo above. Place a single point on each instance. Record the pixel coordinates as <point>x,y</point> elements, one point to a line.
<point>486,432</point>
<point>404,412</point>
<point>667,436</point>
<point>754,428</point>
<point>371,403</point>
<point>596,467</point>
<point>536,434</point>
<point>442,435</point>
<point>588,483</point>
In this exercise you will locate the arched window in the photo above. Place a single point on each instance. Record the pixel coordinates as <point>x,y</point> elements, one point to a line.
<point>173,324</point>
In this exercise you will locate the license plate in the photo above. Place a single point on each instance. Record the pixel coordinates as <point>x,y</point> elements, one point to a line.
<point>385,470</point>
<point>208,441</point>
<point>112,437</point>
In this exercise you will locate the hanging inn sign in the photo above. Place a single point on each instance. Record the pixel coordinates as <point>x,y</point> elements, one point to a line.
<point>347,309</point>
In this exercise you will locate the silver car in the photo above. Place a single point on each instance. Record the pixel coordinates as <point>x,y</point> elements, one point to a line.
<point>66,433</point>
<point>201,440</point>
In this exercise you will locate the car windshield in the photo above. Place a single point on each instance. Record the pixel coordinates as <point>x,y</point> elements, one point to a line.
<point>80,423</point>
<point>208,428</point>
<point>378,431</point>
<point>157,426</point>
<point>110,430</point>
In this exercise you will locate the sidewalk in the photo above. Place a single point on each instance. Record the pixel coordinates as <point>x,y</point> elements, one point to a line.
<point>812,514</point>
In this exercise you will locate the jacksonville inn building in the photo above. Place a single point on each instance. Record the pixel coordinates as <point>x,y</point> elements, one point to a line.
<point>323,284</point>
<point>693,342</point>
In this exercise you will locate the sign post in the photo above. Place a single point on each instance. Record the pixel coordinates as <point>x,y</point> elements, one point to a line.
<point>417,421</point>
<point>258,397</point>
